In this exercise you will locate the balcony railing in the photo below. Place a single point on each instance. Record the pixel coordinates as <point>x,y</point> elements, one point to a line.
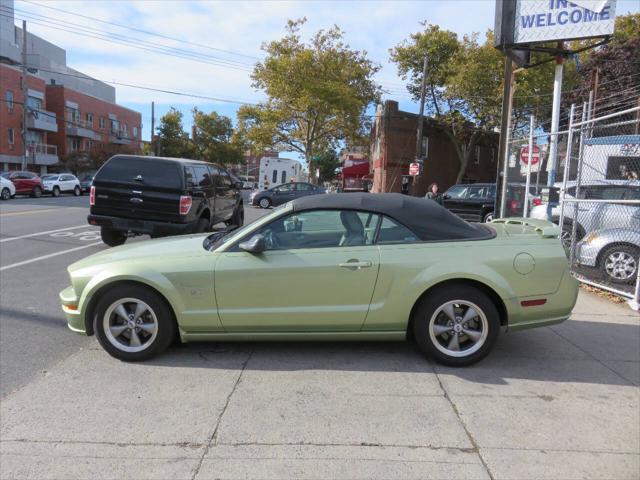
<point>42,120</point>
<point>42,148</point>
<point>119,137</point>
<point>79,123</point>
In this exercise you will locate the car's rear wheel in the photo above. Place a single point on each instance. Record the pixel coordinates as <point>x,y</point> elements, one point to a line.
<point>113,238</point>
<point>36,192</point>
<point>5,194</point>
<point>133,323</point>
<point>264,203</point>
<point>488,217</point>
<point>202,225</point>
<point>76,191</point>
<point>456,325</point>
<point>55,192</point>
<point>619,263</point>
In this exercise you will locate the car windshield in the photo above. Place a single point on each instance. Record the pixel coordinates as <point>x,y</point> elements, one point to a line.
<point>5,175</point>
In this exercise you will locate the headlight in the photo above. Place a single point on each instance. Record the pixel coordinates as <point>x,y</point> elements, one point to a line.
<point>590,238</point>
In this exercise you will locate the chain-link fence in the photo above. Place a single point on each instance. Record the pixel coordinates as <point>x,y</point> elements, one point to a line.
<point>592,193</point>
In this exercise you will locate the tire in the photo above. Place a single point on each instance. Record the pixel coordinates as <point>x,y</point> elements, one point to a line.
<point>567,230</point>
<point>36,192</point>
<point>5,194</point>
<point>134,339</point>
<point>113,238</point>
<point>202,225</point>
<point>438,343</point>
<point>619,263</point>
<point>264,202</point>
<point>488,217</point>
<point>55,192</point>
<point>76,191</point>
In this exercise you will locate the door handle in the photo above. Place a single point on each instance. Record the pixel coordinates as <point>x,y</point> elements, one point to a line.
<point>355,265</point>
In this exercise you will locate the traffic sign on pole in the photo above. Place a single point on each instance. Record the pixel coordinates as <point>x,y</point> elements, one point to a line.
<point>414,169</point>
<point>524,155</point>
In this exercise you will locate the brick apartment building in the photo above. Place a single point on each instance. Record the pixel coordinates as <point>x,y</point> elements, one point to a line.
<point>393,148</point>
<point>67,111</point>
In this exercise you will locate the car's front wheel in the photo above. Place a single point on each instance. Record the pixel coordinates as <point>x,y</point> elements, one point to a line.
<point>264,202</point>
<point>113,238</point>
<point>457,325</point>
<point>488,217</point>
<point>36,192</point>
<point>133,323</point>
<point>5,194</point>
<point>619,263</point>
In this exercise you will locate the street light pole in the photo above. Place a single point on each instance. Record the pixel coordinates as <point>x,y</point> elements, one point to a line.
<point>555,123</point>
<point>423,89</point>
<point>24,88</point>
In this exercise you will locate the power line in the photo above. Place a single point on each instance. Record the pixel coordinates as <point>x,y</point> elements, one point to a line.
<point>155,34</point>
<point>140,44</point>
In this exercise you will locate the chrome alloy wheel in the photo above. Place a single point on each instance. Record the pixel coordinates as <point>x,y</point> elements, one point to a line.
<point>620,265</point>
<point>458,328</point>
<point>130,325</point>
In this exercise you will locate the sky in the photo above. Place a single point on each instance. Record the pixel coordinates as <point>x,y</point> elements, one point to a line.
<point>229,35</point>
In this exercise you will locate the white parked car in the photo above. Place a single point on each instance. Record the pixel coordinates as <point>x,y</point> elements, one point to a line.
<point>58,183</point>
<point>7,188</point>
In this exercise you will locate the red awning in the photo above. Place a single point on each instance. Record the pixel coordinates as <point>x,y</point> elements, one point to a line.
<point>356,170</point>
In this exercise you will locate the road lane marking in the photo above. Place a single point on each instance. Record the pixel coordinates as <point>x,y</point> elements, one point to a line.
<point>44,257</point>
<point>42,233</point>
<point>27,212</point>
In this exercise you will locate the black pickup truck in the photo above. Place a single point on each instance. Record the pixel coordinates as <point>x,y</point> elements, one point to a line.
<point>137,195</point>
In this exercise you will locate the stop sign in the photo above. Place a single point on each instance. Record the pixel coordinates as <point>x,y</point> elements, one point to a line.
<point>414,169</point>
<point>524,155</point>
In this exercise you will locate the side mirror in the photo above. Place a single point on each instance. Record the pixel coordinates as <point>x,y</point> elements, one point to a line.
<point>255,244</point>
<point>276,191</point>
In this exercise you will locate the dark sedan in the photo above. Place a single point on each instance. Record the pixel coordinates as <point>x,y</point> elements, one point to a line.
<point>284,193</point>
<point>85,183</point>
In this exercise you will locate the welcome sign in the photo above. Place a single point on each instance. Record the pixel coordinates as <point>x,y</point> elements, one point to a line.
<point>547,20</point>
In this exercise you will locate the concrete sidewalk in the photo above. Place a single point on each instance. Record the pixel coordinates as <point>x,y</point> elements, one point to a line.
<point>560,402</point>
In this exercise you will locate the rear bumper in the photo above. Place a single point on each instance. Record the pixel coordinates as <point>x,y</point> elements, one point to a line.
<point>141,227</point>
<point>556,309</point>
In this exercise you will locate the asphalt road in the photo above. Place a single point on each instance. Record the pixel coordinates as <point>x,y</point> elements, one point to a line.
<point>39,238</point>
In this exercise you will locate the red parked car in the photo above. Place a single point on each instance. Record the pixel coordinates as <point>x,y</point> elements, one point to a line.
<point>26,183</point>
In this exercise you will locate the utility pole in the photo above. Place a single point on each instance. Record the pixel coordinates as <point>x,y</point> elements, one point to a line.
<point>423,89</point>
<point>24,88</point>
<point>505,127</point>
<point>153,127</point>
<point>555,123</point>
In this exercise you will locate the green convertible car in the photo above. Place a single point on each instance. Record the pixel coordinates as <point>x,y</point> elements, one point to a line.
<point>329,267</point>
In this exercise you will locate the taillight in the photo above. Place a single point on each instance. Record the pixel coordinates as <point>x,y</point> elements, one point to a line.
<point>92,195</point>
<point>185,204</point>
<point>537,201</point>
<point>514,205</point>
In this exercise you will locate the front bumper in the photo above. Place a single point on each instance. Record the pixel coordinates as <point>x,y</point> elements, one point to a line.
<point>587,254</point>
<point>141,227</point>
<point>72,312</point>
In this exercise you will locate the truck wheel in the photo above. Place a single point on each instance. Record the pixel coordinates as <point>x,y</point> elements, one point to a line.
<point>113,238</point>
<point>202,225</point>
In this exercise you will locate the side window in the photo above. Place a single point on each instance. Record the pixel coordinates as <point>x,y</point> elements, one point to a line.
<point>189,177</point>
<point>202,177</point>
<point>304,187</point>
<point>477,192</point>
<point>392,232</point>
<point>287,187</point>
<point>275,176</point>
<point>225,179</point>
<point>215,176</point>
<point>458,191</point>
<point>320,229</point>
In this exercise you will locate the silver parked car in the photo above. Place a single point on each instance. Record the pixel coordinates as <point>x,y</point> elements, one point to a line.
<point>615,252</point>
<point>596,216</point>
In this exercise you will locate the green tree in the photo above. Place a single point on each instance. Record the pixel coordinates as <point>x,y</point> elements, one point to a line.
<point>174,141</point>
<point>327,161</point>
<point>214,140</point>
<point>317,94</point>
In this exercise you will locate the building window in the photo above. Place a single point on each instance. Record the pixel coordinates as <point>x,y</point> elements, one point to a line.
<point>115,127</point>
<point>90,119</point>
<point>34,103</point>
<point>275,176</point>
<point>476,160</point>
<point>101,122</point>
<point>12,137</point>
<point>134,130</point>
<point>284,176</point>
<point>125,129</point>
<point>73,115</point>
<point>10,101</point>
<point>74,144</point>
<point>424,147</point>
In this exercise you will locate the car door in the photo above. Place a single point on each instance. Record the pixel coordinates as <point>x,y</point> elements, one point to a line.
<point>21,182</point>
<point>454,199</point>
<point>304,189</point>
<point>283,194</point>
<point>316,275</point>
<point>228,195</point>
<point>67,183</point>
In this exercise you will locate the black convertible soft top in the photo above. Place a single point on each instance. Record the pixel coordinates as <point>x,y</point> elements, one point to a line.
<point>424,217</point>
